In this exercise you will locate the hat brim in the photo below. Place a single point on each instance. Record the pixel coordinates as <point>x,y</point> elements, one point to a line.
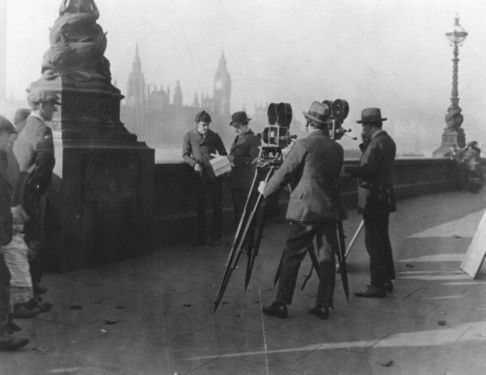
<point>310,117</point>
<point>234,123</point>
<point>370,122</point>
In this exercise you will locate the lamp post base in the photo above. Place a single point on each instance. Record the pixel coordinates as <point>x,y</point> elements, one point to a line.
<point>450,138</point>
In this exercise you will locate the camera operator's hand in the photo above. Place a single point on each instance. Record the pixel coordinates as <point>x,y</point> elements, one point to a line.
<point>261,187</point>
<point>198,168</point>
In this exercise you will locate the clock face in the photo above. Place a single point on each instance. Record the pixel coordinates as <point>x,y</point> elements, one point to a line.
<point>218,85</point>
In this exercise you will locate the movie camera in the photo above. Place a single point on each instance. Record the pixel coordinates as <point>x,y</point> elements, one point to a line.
<point>276,135</point>
<point>338,112</point>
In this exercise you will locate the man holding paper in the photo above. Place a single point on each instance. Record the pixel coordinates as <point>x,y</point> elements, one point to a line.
<point>199,146</point>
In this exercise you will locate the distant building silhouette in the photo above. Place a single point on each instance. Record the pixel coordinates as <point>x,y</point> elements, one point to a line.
<point>160,119</point>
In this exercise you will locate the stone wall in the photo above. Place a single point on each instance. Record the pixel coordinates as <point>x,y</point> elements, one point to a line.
<point>174,200</point>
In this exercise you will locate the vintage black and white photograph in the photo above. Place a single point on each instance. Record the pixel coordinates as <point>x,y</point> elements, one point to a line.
<point>232,187</point>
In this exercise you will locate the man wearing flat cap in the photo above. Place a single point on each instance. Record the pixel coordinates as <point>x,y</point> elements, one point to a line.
<point>243,153</point>
<point>377,200</point>
<point>7,341</point>
<point>312,167</point>
<point>34,150</point>
<point>198,146</point>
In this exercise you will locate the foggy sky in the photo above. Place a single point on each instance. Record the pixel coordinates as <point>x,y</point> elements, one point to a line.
<point>388,53</point>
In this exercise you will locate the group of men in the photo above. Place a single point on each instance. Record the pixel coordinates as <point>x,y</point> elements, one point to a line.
<point>200,145</point>
<point>312,168</point>
<point>26,165</point>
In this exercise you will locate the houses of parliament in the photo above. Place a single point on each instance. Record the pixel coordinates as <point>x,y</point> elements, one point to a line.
<point>159,116</point>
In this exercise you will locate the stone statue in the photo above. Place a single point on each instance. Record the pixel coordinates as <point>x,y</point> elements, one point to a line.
<point>78,44</point>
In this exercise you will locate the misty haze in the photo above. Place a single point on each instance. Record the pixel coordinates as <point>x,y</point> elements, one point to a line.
<point>390,54</point>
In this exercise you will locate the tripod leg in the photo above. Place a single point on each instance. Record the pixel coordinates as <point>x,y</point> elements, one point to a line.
<point>253,251</point>
<point>352,242</point>
<point>241,233</point>
<point>257,216</point>
<point>340,251</point>
<point>315,265</point>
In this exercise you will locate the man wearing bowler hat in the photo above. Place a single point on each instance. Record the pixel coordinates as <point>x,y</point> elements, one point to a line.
<point>34,150</point>
<point>243,153</point>
<point>312,167</point>
<point>198,146</point>
<point>377,200</point>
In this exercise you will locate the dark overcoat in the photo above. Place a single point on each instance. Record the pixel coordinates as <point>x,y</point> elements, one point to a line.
<point>198,149</point>
<point>243,153</point>
<point>375,173</point>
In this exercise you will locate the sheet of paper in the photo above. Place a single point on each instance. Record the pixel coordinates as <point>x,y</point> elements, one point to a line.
<point>476,252</point>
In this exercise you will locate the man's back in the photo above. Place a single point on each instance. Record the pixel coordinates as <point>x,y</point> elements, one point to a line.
<point>316,195</point>
<point>312,168</point>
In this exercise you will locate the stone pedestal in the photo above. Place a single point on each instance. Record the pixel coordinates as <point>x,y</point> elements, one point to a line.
<point>450,138</point>
<point>101,197</point>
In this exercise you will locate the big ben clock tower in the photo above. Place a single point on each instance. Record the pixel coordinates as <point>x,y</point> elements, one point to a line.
<point>222,90</point>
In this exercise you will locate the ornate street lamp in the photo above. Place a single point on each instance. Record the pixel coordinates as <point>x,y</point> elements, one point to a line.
<point>453,134</point>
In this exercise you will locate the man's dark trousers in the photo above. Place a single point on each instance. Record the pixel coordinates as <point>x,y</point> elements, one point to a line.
<point>379,249</point>
<point>300,238</point>
<point>214,187</point>
<point>4,294</point>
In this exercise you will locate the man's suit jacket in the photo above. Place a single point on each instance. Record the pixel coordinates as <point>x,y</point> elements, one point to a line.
<point>34,151</point>
<point>375,173</point>
<point>312,167</point>
<point>243,153</point>
<point>198,149</point>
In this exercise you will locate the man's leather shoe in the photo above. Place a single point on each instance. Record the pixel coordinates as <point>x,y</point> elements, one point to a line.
<point>9,342</point>
<point>278,310</point>
<point>372,292</point>
<point>23,312</point>
<point>322,312</point>
<point>388,286</point>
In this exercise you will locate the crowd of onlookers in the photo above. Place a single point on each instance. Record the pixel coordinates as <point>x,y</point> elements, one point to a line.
<point>26,164</point>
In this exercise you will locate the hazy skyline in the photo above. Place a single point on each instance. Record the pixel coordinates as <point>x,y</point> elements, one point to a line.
<point>390,53</point>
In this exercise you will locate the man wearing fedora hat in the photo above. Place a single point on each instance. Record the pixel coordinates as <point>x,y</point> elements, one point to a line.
<point>243,153</point>
<point>198,146</point>
<point>34,150</point>
<point>312,167</point>
<point>377,200</point>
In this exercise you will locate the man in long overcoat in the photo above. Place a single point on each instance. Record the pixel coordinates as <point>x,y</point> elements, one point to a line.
<point>377,200</point>
<point>243,153</point>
